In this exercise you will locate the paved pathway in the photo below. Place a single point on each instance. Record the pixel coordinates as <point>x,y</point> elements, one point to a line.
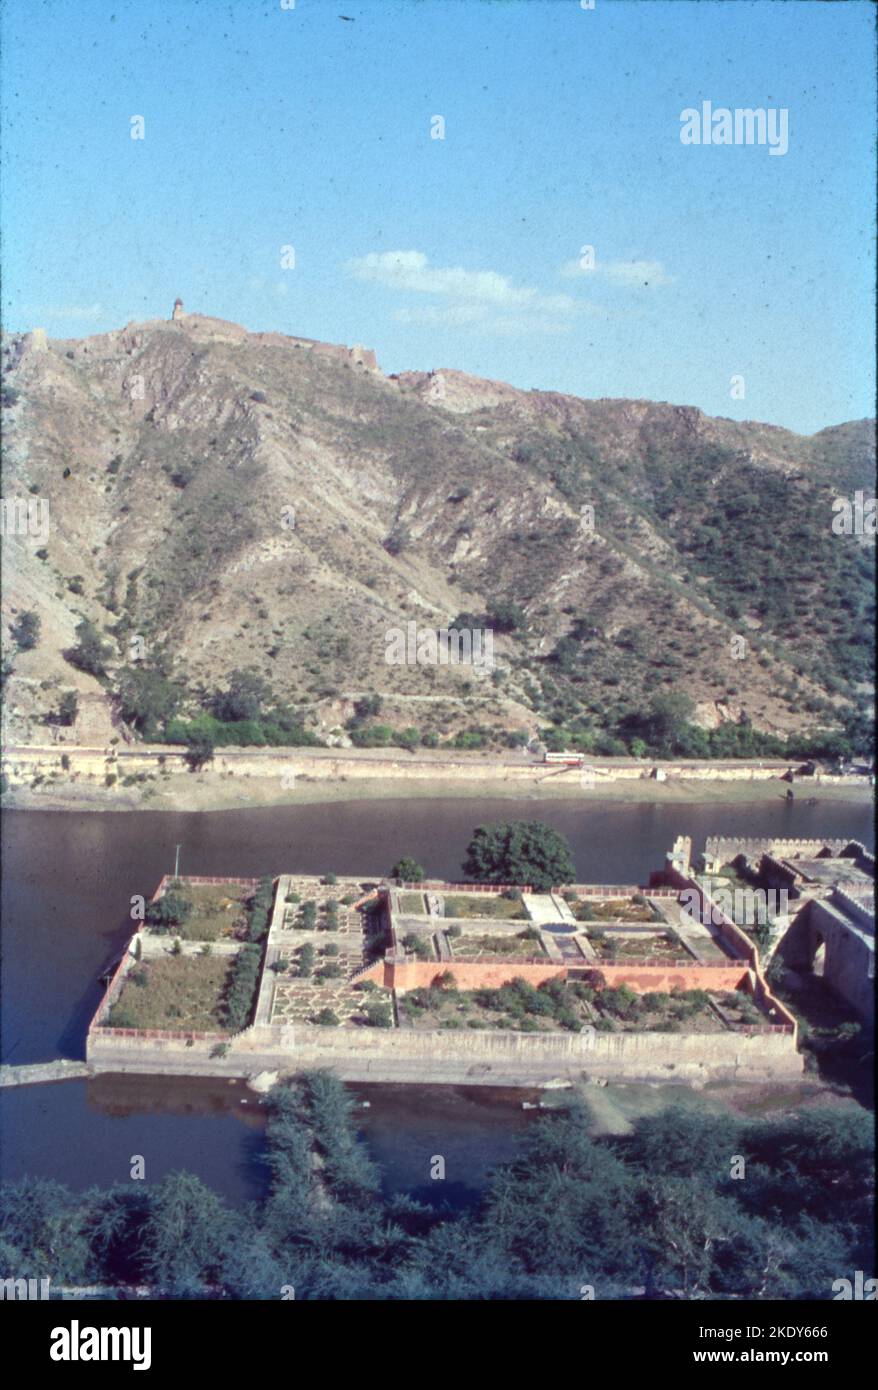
<point>30,1074</point>
<point>542,909</point>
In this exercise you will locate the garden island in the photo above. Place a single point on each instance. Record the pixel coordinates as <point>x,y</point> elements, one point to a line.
<point>522,980</point>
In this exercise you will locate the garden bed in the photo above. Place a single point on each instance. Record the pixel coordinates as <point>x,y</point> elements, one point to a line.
<point>612,946</point>
<point>412,904</point>
<point>559,1006</point>
<point>511,947</point>
<point>218,912</point>
<point>322,910</point>
<point>181,993</point>
<point>299,1000</point>
<point>484,905</point>
<point>620,1009</point>
<point>517,1006</point>
<point>611,910</point>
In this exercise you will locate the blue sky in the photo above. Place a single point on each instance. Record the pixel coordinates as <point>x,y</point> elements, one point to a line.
<point>268,127</point>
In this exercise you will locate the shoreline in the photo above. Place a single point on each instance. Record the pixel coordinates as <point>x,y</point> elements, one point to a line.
<point>217,791</point>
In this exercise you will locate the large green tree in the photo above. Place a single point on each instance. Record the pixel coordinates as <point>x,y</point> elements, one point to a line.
<point>42,1231</point>
<point>186,1235</point>
<point>668,719</point>
<point>91,653</point>
<point>526,852</point>
<point>565,1205</point>
<point>200,748</point>
<point>68,707</point>
<point>244,699</point>
<point>408,870</point>
<point>171,910</point>
<point>147,698</point>
<point>665,1206</point>
<point>26,631</point>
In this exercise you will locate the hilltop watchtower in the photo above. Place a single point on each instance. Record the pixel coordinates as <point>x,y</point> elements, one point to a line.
<point>178,310</point>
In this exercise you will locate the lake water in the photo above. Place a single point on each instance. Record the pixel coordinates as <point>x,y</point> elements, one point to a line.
<point>67,882</point>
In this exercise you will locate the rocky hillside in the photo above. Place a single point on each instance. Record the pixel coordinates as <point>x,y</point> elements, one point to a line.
<point>220,500</point>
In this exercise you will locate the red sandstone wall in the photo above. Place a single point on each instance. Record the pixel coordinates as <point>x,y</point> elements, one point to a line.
<point>584,890</point>
<point>642,979</point>
<point>113,989</point>
<point>375,972</point>
<point>662,979</point>
<point>467,974</point>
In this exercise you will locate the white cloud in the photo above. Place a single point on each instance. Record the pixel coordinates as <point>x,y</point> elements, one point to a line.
<point>482,298</point>
<point>411,270</point>
<point>455,314</point>
<point>481,316</point>
<point>85,313</point>
<point>640,274</point>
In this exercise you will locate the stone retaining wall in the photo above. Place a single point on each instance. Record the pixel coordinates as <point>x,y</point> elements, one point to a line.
<point>21,764</point>
<point>722,849</point>
<point>740,944</point>
<point>487,1058</point>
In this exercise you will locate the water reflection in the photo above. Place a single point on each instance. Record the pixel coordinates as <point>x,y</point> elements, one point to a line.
<point>67,884</point>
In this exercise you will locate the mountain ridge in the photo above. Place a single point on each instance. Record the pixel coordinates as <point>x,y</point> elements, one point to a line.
<point>170,454</point>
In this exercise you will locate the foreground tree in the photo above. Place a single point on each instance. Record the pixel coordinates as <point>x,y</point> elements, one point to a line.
<point>526,852</point>
<point>565,1206</point>
<point>685,1143</point>
<point>659,1207</point>
<point>43,1231</point>
<point>185,1238</point>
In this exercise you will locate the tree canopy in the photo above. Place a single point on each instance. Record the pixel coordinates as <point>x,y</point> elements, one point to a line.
<point>171,909</point>
<point>244,698</point>
<point>200,748</point>
<point>68,707</point>
<point>26,630</point>
<point>91,653</point>
<point>147,698</point>
<point>525,852</point>
<point>668,1208</point>
<point>408,870</point>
